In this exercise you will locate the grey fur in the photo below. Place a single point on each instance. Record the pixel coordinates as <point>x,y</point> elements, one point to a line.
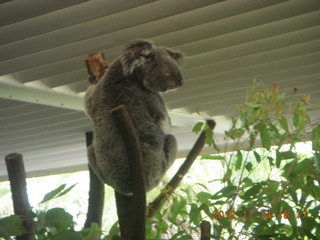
<point>134,80</point>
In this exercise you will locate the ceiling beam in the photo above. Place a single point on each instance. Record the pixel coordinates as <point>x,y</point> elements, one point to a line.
<point>46,96</point>
<point>21,92</point>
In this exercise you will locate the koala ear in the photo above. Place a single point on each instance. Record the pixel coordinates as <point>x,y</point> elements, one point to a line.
<point>178,56</point>
<point>136,54</point>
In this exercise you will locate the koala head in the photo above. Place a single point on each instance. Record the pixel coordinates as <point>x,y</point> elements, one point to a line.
<point>156,67</point>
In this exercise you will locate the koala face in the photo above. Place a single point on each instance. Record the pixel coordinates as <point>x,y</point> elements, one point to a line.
<point>157,67</point>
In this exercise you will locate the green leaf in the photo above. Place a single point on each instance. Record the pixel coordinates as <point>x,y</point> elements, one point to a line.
<point>272,187</point>
<point>227,191</point>
<point>247,181</point>
<point>273,129</point>
<point>114,230</point>
<point>298,119</point>
<point>178,234</point>
<point>264,135</point>
<point>254,190</point>
<point>292,216</point>
<point>41,220</point>
<point>249,166</point>
<point>239,160</point>
<point>270,161</point>
<point>93,231</point>
<point>278,159</point>
<point>284,124</point>
<point>178,207</point>
<point>58,192</point>
<point>195,214</point>
<point>203,185</point>
<point>225,222</point>
<point>257,156</point>
<point>206,209</point>
<point>11,226</point>
<point>235,133</point>
<point>227,175</point>
<point>162,225</point>
<point>184,237</point>
<point>316,138</point>
<point>67,235</point>
<point>287,155</point>
<point>253,105</point>
<point>204,197</point>
<point>284,156</point>
<point>308,224</point>
<point>281,97</point>
<point>304,166</point>
<point>66,191</point>
<point>293,195</point>
<point>244,119</point>
<point>316,192</point>
<point>198,127</point>
<point>213,157</point>
<point>58,217</point>
<point>53,193</point>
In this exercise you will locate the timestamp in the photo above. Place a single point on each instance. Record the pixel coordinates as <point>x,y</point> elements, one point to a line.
<point>257,214</point>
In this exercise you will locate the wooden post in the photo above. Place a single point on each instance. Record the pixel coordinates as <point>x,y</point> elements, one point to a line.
<point>131,209</point>
<point>96,194</point>
<point>18,184</point>
<point>96,65</point>
<point>205,228</point>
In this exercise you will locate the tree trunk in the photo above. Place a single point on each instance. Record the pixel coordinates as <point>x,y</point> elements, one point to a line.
<point>18,183</point>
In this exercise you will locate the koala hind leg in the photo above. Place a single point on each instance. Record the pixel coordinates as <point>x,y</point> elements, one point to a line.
<point>170,149</point>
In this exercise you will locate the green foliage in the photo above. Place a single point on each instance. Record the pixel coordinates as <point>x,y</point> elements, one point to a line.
<point>11,226</point>
<point>58,192</point>
<point>268,189</point>
<point>55,223</point>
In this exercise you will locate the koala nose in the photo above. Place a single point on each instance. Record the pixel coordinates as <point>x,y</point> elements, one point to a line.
<point>179,79</point>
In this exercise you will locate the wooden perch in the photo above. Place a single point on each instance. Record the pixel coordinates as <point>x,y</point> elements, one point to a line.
<point>96,194</point>
<point>175,181</point>
<point>96,66</point>
<point>131,209</point>
<point>205,228</point>
<point>18,183</point>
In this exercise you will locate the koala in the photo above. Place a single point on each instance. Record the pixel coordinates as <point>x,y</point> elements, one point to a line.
<point>135,80</point>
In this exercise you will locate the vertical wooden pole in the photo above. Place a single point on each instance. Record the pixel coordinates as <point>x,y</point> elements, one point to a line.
<point>18,184</point>
<point>96,194</point>
<point>131,209</point>
<point>205,228</point>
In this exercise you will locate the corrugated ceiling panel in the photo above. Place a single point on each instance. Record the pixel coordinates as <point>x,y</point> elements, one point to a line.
<point>227,45</point>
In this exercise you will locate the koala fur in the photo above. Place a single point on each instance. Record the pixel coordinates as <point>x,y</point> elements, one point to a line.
<point>134,80</point>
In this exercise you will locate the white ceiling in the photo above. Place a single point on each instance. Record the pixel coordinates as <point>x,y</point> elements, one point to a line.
<point>43,45</point>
